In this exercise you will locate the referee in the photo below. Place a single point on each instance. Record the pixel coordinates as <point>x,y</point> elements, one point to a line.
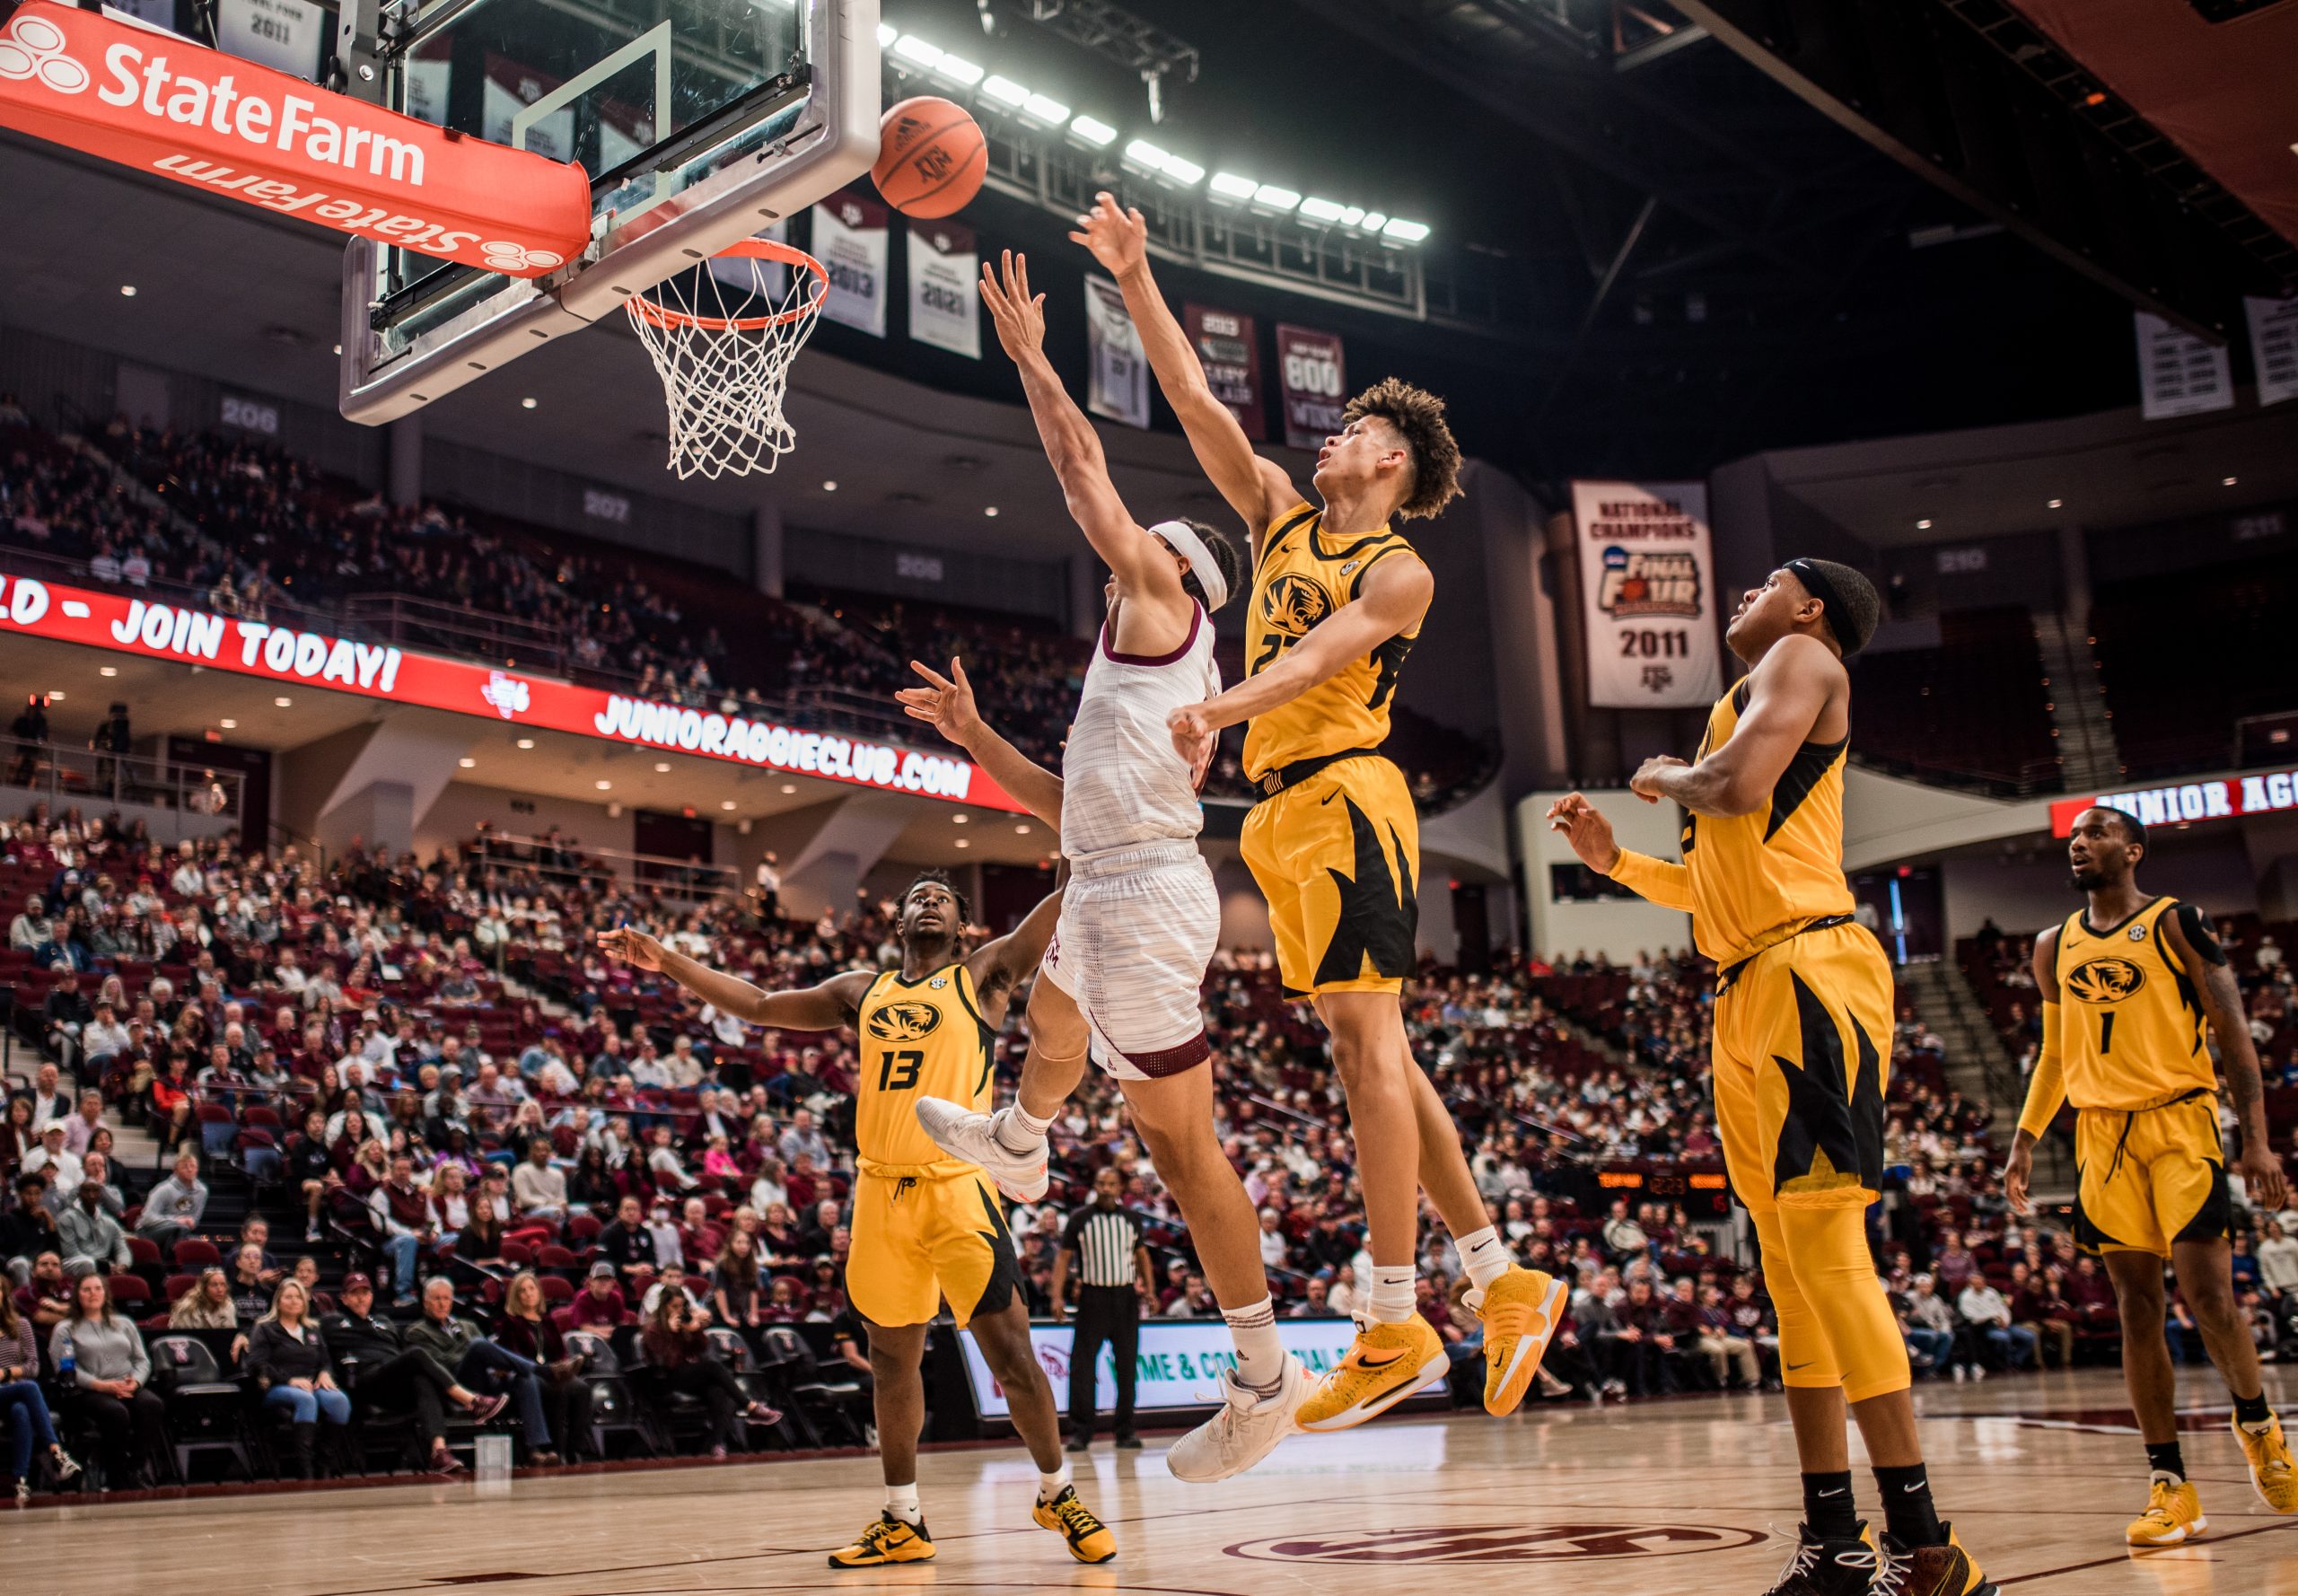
<point>1114,1272</point>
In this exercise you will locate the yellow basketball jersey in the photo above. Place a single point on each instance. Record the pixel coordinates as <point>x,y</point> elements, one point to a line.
<point>1301,577</point>
<point>917,1038</point>
<point>2130,1021</point>
<point>1757,877</point>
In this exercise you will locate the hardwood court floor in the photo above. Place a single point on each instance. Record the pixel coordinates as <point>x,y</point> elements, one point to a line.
<point>2039,1474</point>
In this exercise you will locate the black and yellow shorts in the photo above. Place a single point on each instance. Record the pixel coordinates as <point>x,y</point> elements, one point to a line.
<point>1803,1054</point>
<point>1337,856</point>
<point>920,1240</point>
<point>2151,1176</point>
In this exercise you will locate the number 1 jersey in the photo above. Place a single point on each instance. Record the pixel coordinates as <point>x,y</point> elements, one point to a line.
<point>2129,1019</point>
<point>917,1038</point>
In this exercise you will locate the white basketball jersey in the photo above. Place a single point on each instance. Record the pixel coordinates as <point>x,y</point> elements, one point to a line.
<point>1122,783</point>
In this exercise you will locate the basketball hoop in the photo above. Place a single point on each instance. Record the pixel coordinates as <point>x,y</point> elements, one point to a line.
<point>722,339</point>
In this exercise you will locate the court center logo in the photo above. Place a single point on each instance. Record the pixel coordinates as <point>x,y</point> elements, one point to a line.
<point>902,1022</point>
<point>1647,583</point>
<point>1485,1544</point>
<point>2105,980</point>
<point>33,47</point>
<point>1293,604</point>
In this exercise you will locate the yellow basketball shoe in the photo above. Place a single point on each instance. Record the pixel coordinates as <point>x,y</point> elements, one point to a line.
<point>2173,1514</point>
<point>1088,1538</point>
<point>1386,1364</point>
<point>2271,1468</point>
<point>1521,1312</point>
<point>1943,1570</point>
<point>889,1540</point>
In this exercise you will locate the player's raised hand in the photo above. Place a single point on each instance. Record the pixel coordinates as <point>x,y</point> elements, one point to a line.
<point>1019,318</point>
<point>946,704</point>
<point>1644,782</point>
<point>632,946</point>
<point>1193,734</point>
<point>1117,237</point>
<point>1586,830</point>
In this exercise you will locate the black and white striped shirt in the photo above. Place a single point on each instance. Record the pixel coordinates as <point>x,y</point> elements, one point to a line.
<point>1104,1239</point>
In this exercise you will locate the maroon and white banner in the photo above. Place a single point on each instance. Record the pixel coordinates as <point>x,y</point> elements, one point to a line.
<point>944,293</point>
<point>2225,798</point>
<point>1230,353</point>
<point>2178,374</point>
<point>120,623</point>
<point>2273,347</point>
<point>1313,377</point>
<point>1117,371</point>
<point>851,242</point>
<point>1647,584</point>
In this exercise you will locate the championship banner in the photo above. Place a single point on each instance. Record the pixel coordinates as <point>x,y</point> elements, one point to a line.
<point>1313,377</point>
<point>1647,584</point>
<point>288,34</point>
<point>2273,347</point>
<point>147,628</point>
<point>158,102</point>
<point>1178,1364</point>
<point>2178,374</point>
<point>1117,371</point>
<point>944,302</point>
<point>1230,356</point>
<point>852,240</point>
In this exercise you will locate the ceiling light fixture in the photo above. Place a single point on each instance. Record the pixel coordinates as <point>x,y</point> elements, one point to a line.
<point>958,70</point>
<point>128,291</point>
<point>284,703</point>
<point>726,803</point>
<point>916,51</point>
<point>1229,186</point>
<point>2228,481</point>
<point>830,486</point>
<point>107,670</point>
<point>789,786</point>
<point>2056,503</point>
<point>1045,110</point>
<point>1005,92</point>
<point>526,742</point>
<point>527,403</point>
<point>990,511</point>
<point>229,726</point>
<point>963,843</point>
<point>1924,525</point>
<point>467,762</point>
<point>603,785</point>
<point>959,819</point>
<point>662,767</point>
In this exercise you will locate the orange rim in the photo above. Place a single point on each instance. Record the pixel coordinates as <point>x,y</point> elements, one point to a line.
<point>749,249</point>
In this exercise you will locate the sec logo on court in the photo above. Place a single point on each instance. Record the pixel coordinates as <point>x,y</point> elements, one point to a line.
<point>903,1021</point>
<point>1497,1543</point>
<point>2105,980</point>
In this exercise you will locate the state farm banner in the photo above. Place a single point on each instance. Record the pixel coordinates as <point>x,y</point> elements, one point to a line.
<point>1313,377</point>
<point>2273,347</point>
<point>1230,356</point>
<point>119,623</point>
<point>1647,584</point>
<point>851,241</point>
<point>2178,374</point>
<point>160,103</point>
<point>1117,380</point>
<point>944,305</point>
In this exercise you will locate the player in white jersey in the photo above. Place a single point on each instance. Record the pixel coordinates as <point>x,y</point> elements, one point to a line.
<point>1141,919</point>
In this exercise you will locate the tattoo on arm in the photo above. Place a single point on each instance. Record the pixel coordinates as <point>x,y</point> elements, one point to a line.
<point>2223,1002</point>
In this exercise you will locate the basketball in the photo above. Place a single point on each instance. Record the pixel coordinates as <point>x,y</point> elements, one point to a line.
<point>931,158</point>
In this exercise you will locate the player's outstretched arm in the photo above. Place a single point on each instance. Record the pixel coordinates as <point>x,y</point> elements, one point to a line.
<point>2192,942</point>
<point>1000,966</point>
<point>2046,1087</point>
<point>946,704</point>
<point>826,1007</point>
<point>1143,566</point>
<point>1257,489</point>
<point>1787,694</point>
<point>1395,597</point>
<point>1663,881</point>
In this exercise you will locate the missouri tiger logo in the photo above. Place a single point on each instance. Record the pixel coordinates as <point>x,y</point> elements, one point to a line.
<point>1294,603</point>
<point>903,1021</point>
<point>2106,980</point>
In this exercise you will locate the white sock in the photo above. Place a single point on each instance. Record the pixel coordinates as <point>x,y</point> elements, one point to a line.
<point>901,1503</point>
<point>1389,1301</point>
<point>1050,1485</point>
<point>1018,1131</point>
<point>1484,1255</point>
<point>1261,1355</point>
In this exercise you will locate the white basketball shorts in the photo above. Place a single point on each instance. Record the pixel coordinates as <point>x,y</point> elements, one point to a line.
<point>1138,926</point>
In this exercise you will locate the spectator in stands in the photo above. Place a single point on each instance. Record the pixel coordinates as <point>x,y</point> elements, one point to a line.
<point>57,1162</point>
<point>287,1358</point>
<point>110,1372</point>
<point>802,1139</point>
<point>17,1135</point>
<point>2037,1305</point>
<point>30,927</point>
<point>28,1229</point>
<point>524,1329</point>
<point>307,1166</point>
<point>95,1173</point>
<point>21,1400</point>
<point>383,1371</point>
<point>480,1365</point>
<point>680,1357</point>
<point>2278,1269</point>
<point>1989,1315</point>
<point>480,1240</point>
<point>538,1187</point>
<point>628,1243</point>
<point>600,1307</point>
<point>252,1285</point>
<point>173,1097</point>
<point>80,1129</point>
<point>208,1305</point>
<point>404,1220</point>
<point>93,1238</point>
<point>173,1207</point>
<point>734,1287</point>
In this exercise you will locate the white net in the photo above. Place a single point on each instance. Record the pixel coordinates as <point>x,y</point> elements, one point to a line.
<point>721,338</point>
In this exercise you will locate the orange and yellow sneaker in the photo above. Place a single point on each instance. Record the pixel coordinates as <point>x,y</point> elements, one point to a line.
<point>1088,1538</point>
<point>1945,1569</point>
<point>889,1540</point>
<point>1386,1364</point>
<point>2271,1468</point>
<point>2173,1514</point>
<point>1521,1312</point>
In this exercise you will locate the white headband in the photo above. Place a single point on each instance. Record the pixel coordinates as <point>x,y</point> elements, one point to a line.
<point>1185,541</point>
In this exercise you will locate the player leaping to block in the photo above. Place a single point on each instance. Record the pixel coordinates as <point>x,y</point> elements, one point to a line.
<point>926,1228</point>
<point>1141,920</point>
<point>1337,598</point>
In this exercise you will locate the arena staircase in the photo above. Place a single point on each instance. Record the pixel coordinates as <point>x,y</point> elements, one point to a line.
<point>1980,1065</point>
<point>2088,756</point>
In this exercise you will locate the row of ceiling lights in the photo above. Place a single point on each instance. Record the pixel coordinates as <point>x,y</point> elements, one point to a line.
<point>1924,525</point>
<point>913,56</point>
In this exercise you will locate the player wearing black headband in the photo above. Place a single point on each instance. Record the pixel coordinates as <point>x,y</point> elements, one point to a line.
<point>1801,1050</point>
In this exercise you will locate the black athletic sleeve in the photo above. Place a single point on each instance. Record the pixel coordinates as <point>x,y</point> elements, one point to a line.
<point>2200,936</point>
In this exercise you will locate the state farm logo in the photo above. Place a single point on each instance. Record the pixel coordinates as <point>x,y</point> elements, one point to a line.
<point>507,693</point>
<point>1496,1543</point>
<point>518,257</point>
<point>33,46</point>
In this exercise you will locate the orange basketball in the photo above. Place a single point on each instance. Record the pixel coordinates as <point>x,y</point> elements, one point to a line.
<point>931,157</point>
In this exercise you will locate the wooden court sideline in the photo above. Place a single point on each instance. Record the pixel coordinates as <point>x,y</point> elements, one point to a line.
<point>2040,1475</point>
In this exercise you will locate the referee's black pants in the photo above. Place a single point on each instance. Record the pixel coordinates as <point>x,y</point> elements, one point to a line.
<point>1108,1314</point>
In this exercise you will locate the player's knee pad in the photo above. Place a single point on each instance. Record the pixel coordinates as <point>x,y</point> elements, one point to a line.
<point>1806,1356</point>
<point>1828,1249</point>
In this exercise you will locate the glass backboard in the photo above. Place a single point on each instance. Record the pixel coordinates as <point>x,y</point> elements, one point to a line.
<point>699,121</point>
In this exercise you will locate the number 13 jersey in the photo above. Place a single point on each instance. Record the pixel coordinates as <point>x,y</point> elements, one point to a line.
<point>917,1038</point>
<point>2130,1021</point>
